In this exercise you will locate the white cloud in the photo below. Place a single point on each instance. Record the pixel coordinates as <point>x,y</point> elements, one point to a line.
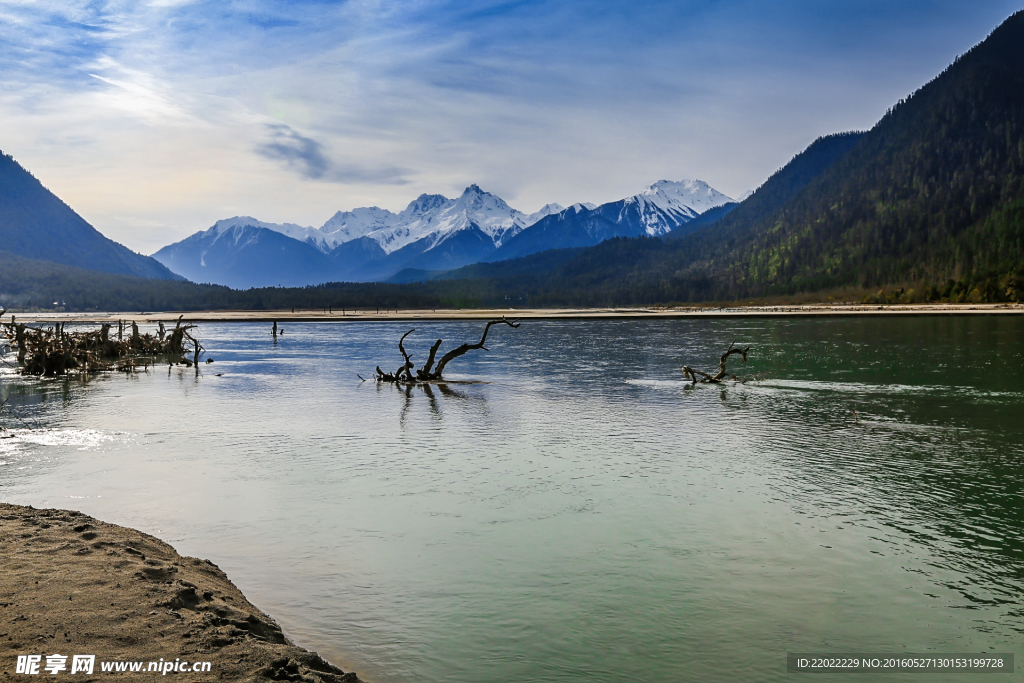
<point>139,99</point>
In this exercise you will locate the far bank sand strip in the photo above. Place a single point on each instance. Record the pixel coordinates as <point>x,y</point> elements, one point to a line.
<point>379,315</point>
<point>73,585</point>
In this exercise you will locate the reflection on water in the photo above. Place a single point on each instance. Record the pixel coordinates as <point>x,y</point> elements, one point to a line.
<point>585,514</point>
<point>428,391</point>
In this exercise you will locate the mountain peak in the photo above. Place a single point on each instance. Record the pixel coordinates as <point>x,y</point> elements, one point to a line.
<point>690,196</point>
<point>545,210</point>
<point>426,202</point>
<point>234,222</point>
<point>345,226</point>
<point>299,232</point>
<point>684,186</point>
<point>475,199</point>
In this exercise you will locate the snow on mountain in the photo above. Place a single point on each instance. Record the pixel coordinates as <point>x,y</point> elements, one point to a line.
<point>303,234</point>
<point>696,194</point>
<point>681,200</point>
<point>432,233</point>
<point>415,222</point>
<point>430,216</point>
<point>345,226</point>
<point>488,212</point>
<point>243,252</point>
<point>437,217</point>
<point>545,210</point>
<point>658,209</point>
<point>743,196</point>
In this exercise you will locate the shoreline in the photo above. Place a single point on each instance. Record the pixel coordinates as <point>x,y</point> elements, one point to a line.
<point>297,315</point>
<point>75,585</point>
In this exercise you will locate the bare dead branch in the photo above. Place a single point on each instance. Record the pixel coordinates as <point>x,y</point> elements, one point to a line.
<point>404,370</point>
<point>465,348</point>
<point>428,373</point>
<point>56,351</point>
<point>423,373</point>
<point>722,374</point>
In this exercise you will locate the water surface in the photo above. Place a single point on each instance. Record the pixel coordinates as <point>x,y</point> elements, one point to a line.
<point>585,514</point>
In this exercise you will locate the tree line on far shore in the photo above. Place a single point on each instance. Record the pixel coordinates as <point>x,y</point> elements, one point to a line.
<point>39,285</point>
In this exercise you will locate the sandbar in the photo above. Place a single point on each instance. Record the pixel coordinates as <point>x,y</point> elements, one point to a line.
<point>73,585</point>
<point>381,315</point>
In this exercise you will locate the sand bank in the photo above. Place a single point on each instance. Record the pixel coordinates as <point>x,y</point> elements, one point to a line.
<point>349,315</point>
<point>73,585</point>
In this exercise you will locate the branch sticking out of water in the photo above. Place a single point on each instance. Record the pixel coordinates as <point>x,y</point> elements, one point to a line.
<point>722,374</point>
<point>54,351</point>
<point>428,373</point>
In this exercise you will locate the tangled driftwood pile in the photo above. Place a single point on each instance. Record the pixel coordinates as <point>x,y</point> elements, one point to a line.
<point>722,374</point>
<point>429,372</point>
<point>54,351</point>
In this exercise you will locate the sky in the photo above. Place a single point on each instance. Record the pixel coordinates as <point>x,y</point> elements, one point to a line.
<point>155,119</point>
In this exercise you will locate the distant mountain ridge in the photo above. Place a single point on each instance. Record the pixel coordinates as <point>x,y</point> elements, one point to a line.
<point>243,255</point>
<point>433,233</point>
<point>657,210</point>
<point>36,224</point>
<point>616,256</point>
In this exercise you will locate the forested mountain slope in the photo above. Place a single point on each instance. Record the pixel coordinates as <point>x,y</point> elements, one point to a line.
<point>934,192</point>
<point>782,185</point>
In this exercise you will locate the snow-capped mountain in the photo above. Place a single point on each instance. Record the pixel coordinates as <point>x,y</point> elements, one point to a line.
<point>545,210</point>
<point>416,221</point>
<point>242,252</point>
<point>346,226</point>
<point>428,216</point>
<point>436,218</point>
<point>298,232</point>
<point>367,243</point>
<point>432,233</point>
<point>656,210</point>
<point>667,204</point>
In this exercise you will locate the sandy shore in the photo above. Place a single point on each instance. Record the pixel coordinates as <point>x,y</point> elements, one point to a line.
<point>73,585</point>
<point>336,315</point>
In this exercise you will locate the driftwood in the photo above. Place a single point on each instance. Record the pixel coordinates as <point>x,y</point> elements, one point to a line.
<point>429,372</point>
<point>722,374</point>
<point>53,351</point>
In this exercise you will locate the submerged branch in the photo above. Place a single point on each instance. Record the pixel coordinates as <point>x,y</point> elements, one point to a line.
<point>54,351</point>
<point>429,373</point>
<point>722,374</point>
<point>465,348</point>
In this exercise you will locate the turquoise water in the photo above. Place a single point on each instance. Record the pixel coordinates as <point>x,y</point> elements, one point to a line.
<point>584,515</point>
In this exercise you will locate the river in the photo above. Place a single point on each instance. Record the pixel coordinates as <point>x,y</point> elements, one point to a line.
<point>582,513</point>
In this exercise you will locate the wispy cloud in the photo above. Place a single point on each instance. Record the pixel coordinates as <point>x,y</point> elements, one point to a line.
<point>137,93</point>
<point>307,157</point>
<point>297,151</point>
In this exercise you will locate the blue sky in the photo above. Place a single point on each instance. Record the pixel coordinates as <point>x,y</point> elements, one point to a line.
<point>155,119</point>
